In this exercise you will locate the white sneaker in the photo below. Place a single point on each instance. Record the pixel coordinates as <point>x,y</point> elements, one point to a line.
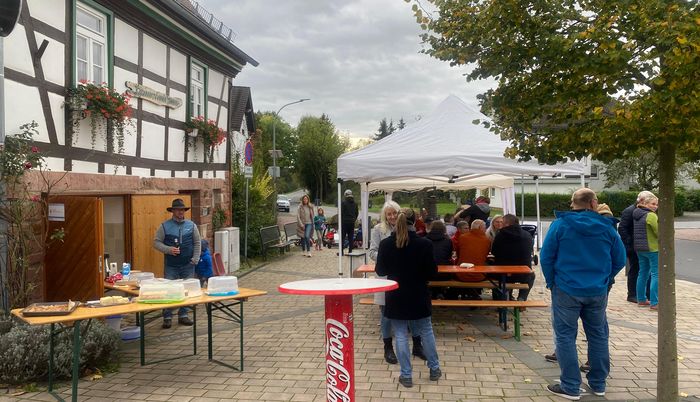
<point>597,393</point>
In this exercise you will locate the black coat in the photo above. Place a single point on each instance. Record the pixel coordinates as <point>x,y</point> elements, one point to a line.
<point>349,211</point>
<point>512,246</point>
<point>412,267</point>
<point>442,247</point>
<point>476,211</point>
<point>626,227</point>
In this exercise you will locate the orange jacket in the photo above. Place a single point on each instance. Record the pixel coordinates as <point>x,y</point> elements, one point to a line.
<point>474,247</point>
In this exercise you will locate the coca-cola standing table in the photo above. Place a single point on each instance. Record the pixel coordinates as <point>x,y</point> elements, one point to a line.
<point>340,369</point>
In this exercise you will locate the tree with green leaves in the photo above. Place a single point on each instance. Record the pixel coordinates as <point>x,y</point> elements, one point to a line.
<point>319,148</point>
<point>383,130</point>
<point>286,141</point>
<point>641,171</point>
<point>578,78</point>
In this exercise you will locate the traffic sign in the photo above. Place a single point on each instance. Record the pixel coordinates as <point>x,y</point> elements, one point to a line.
<point>248,172</point>
<point>248,153</point>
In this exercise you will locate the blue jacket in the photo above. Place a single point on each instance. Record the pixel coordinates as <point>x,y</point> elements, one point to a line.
<point>204,268</point>
<point>582,253</point>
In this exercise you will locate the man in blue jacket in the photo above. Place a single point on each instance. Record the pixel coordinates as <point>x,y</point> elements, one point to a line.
<point>580,256</point>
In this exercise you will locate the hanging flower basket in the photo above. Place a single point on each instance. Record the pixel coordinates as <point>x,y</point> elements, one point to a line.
<point>206,132</point>
<point>108,110</point>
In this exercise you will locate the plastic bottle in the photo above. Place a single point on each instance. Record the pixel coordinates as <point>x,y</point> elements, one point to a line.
<point>106,265</point>
<point>126,270</point>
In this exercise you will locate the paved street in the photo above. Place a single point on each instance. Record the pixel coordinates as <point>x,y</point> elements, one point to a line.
<point>284,351</point>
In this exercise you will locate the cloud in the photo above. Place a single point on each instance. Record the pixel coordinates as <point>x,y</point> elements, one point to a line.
<point>359,61</point>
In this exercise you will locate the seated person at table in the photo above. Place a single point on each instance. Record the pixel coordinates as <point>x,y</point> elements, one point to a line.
<point>473,248</point>
<point>449,225</point>
<point>513,246</point>
<point>421,227</point>
<point>480,210</point>
<point>442,253</point>
<point>462,227</point>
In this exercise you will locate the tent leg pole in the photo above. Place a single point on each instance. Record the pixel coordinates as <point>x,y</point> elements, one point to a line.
<point>583,181</point>
<point>522,198</point>
<point>537,204</point>
<point>340,230</point>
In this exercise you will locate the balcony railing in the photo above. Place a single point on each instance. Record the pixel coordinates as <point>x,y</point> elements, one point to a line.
<point>200,12</point>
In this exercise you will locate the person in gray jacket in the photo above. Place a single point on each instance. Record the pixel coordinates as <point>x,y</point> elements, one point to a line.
<point>178,239</point>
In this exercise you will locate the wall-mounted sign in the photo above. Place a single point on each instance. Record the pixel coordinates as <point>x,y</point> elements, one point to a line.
<point>248,153</point>
<point>151,95</point>
<point>57,212</point>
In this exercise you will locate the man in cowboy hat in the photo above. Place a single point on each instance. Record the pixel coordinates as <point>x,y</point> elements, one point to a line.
<point>178,239</point>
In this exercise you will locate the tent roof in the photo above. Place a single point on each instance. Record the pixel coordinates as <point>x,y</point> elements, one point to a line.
<point>444,144</point>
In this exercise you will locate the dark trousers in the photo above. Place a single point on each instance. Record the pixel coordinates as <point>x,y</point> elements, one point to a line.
<point>348,233</point>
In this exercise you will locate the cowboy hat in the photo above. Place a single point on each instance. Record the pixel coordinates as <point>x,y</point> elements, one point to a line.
<point>178,203</point>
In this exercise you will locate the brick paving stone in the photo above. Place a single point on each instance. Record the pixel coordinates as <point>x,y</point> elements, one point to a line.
<point>284,353</point>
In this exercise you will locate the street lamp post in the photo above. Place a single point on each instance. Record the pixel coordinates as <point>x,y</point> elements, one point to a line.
<point>274,147</point>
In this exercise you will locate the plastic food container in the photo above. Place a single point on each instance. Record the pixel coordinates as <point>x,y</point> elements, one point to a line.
<point>161,291</point>
<point>222,286</point>
<point>192,287</point>
<point>129,333</point>
<point>141,276</point>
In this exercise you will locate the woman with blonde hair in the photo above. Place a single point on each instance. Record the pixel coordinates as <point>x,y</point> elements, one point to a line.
<point>305,224</point>
<point>382,230</point>
<point>495,226</point>
<point>646,244</point>
<point>408,259</point>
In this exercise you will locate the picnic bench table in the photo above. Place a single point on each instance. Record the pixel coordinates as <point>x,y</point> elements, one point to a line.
<point>500,272</point>
<point>82,313</point>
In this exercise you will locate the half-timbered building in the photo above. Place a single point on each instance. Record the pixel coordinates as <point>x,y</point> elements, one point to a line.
<point>178,62</point>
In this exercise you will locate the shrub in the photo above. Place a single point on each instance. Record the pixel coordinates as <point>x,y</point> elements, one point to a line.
<point>24,351</point>
<point>616,200</point>
<point>692,202</point>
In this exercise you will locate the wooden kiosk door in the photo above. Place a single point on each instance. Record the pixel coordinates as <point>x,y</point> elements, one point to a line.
<point>73,268</point>
<point>147,213</point>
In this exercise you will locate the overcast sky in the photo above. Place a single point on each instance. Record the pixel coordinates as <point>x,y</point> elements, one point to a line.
<point>357,60</point>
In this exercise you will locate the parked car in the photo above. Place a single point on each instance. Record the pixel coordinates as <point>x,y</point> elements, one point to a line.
<point>283,203</point>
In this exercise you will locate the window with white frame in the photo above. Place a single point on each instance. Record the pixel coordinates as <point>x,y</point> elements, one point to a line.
<point>90,45</point>
<point>492,192</point>
<point>197,92</point>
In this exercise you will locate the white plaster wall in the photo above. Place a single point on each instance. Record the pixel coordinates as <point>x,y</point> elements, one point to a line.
<point>562,187</point>
<point>154,55</point>
<point>126,41</point>
<point>53,14</point>
<point>22,105</point>
<point>178,67</point>
<point>221,174</point>
<point>176,145</point>
<point>149,106</point>
<point>53,164</point>
<point>163,173</point>
<point>52,61</point>
<point>178,113</point>
<point>215,80</point>
<point>141,172</point>
<point>59,116</point>
<point>110,169</point>
<point>84,167</point>
<point>120,77</point>
<point>16,52</point>
<point>152,140</point>
<point>82,136</point>
<point>220,153</point>
<point>180,173</point>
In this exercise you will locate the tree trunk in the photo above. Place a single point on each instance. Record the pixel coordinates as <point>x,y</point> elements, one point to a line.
<point>667,366</point>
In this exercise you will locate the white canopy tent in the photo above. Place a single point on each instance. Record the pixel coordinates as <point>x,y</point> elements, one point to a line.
<point>445,150</point>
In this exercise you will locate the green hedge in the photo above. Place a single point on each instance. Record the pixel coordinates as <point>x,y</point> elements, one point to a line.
<point>616,200</point>
<point>692,202</point>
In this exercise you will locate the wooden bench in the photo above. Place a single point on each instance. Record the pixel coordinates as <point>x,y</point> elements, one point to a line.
<point>270,237</point>
<point>516,305</point>
<point>475,285</point>
<point>290,230</point>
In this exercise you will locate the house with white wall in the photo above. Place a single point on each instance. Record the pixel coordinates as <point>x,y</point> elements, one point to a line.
<point>178,62</point>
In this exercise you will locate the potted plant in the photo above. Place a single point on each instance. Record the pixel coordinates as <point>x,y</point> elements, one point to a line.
<point>108,110</point>
<point>207,132</point>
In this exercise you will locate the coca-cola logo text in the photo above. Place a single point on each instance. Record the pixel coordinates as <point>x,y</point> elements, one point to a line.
<point>337,375</point>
